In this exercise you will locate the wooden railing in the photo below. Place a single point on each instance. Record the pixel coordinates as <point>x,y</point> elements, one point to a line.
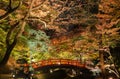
<point>59,62</point>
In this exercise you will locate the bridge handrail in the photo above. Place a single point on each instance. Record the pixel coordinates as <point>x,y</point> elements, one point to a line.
<point>58,62</point>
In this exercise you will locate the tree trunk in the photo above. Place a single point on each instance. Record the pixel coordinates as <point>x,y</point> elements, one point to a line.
<point>7,54</point>
<point>101,55</point>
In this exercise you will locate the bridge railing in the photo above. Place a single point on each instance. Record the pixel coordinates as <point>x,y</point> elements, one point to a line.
<point>58,62</point>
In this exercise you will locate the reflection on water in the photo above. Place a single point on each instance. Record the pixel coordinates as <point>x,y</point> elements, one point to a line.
<point>59,74</point>
<point>62,74</point>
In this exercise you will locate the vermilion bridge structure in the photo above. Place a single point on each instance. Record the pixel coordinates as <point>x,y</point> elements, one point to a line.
<point>58,63</point>
<point>70,67</point>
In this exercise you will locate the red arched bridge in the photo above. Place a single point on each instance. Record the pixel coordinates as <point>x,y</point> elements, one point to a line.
<point>71,68</point>
<point>58,62</point>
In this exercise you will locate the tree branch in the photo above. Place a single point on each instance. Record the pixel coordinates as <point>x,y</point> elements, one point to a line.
<point>38,19</point>
<point>10,9</point>
<point>116,73</point>
<point>23,23</point>
<point>38,6</point>
<point>9,33</point>
<point>10,5</point>
<point>112,60</point>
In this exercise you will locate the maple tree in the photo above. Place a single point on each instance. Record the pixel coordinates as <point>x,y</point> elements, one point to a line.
<point>106,32</point>
<point>100,36</point>
<point>52,14</point>
<point>15,26</point>
<point>74,27</point>
<point>9,43</point>
<point>109,11</point>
